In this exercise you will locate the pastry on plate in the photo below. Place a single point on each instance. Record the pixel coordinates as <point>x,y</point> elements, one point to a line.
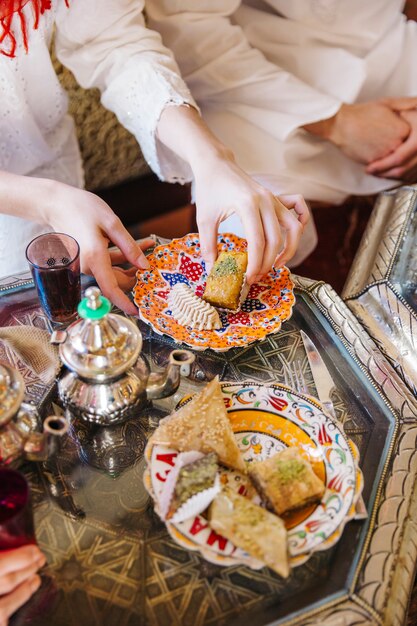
<point>202,425</point>
<point>250,527</point>
<point>225,283</point>
<point>190,310</point>
<point>190,486</point>
<point>286,481</point>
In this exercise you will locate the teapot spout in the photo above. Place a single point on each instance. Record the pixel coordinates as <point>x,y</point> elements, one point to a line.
<point>44,445</point>
<point>165,383</point>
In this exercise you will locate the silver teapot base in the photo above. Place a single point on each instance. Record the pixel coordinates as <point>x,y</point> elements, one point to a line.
<point>116,417</point>
<point>103,404</point>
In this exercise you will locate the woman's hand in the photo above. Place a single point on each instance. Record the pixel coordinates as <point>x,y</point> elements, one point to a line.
<point>93,224</point>
<point>18,578</point>
<point>272,229</point>
<point>89,220</point>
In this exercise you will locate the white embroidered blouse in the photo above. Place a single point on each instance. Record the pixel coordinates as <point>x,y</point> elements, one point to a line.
<point>106,45</point>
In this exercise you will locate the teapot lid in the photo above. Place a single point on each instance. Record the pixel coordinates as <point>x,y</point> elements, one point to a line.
<point>102,345</point>
<point>12,390</point>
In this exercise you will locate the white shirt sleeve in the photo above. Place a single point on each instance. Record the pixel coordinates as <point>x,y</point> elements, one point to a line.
<point>222,69</point>
<point>107,45</point>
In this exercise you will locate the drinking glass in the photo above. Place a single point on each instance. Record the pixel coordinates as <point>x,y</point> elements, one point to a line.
<point>54,260</point>
<point>16,518</point>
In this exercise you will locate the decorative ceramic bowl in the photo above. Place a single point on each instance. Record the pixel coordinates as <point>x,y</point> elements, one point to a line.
<point>265,419</point>
<point>268,304</point>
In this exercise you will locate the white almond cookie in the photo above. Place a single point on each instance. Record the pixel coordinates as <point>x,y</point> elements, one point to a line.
<point>190,310</point>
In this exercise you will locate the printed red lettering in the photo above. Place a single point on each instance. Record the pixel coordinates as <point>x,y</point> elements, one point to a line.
<point>197,526</point>
<point>215,537</point>
<point>162,478</point>
<point>167,458</point>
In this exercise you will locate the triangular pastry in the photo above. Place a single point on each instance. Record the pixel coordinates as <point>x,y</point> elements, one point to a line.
<point>202,425</point>
<point>252,528</point>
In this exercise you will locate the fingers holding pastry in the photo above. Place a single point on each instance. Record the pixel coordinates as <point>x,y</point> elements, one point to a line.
<point>273,237</point>
<point>208,227</point>
<point>292,223</point>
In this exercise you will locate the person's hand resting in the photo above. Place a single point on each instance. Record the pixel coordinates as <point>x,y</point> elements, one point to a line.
<point>401,163</point>
<point>272,230</point>
<point>365,132</point>
<point>93,224</point>
<point>18,578</point>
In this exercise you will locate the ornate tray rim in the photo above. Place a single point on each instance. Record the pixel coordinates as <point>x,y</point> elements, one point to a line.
<point>371,294</point>
<point>366,603</point>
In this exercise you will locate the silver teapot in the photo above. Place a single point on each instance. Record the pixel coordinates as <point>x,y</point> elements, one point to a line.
<point>106,380</point>
<point>20,436</point>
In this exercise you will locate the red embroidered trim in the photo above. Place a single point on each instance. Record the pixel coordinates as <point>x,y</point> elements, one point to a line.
<point>12,12</point>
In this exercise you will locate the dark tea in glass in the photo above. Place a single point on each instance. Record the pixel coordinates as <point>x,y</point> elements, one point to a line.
<point>54,260</point>
<point>16,519</point>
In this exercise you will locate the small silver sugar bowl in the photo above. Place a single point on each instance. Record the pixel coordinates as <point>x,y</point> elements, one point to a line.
<point>106,378</point>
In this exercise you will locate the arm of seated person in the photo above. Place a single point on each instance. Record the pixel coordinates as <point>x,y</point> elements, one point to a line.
<point>18,578</point>
<point>364,132</point>
<point>88,219</point>
<point>272,229</point>
<point>140,82</point>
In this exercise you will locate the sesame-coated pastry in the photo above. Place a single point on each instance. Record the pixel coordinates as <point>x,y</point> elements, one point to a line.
<point>202,425</point>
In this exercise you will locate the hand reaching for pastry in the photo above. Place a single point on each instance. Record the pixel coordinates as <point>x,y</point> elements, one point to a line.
<point>273,225</point>
<point>88,219</point>
<point>272,229</point>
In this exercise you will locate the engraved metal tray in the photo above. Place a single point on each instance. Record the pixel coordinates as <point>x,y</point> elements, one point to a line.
<point>110,558</point>
<point>381,289</point>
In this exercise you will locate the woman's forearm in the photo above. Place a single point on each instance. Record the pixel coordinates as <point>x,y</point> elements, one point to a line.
<point>221,188</point>
<point>184,132</point>
<point>26,197</point>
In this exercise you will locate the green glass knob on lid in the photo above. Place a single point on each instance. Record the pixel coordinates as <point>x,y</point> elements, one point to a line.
<point>94,306</point>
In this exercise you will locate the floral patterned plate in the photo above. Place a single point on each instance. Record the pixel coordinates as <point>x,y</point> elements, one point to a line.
<point>266,419</point>
<point>268,304</point>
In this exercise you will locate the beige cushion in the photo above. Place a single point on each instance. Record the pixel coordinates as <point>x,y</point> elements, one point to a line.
<point>110,153</point>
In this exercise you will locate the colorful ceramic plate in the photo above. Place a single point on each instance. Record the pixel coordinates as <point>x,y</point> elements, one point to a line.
<point>266,419</point>
<point>268,304</point>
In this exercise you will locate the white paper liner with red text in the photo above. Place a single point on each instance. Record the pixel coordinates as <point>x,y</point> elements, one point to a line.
<point>197,503</point>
